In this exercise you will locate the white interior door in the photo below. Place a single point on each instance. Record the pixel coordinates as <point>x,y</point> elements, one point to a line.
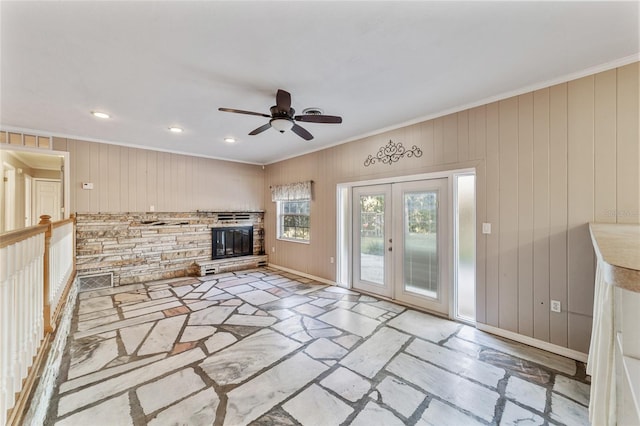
<point>47,199</point>
<point>400,249</point>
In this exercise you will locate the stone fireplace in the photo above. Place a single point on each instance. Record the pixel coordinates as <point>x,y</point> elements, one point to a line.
<point>144,246</point>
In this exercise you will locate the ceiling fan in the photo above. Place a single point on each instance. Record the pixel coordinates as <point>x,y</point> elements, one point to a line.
<point>282,117</point>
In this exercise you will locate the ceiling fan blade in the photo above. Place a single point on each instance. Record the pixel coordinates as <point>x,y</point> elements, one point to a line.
<point>300,131</point>
<point>239,111</point>
<point>283,101</point>
<point>260,129</point>
<point>310,118</point>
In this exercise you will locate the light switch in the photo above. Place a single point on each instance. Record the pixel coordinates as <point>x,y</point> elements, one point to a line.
<point>87,185</point>
<point>486,228</point>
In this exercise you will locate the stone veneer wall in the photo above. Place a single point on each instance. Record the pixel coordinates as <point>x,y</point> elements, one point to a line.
<point>139,247</point>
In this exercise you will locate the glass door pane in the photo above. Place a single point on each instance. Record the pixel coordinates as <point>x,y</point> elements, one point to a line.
<point>371,206</point>
<point>372,238</point>
<point>420,261</point>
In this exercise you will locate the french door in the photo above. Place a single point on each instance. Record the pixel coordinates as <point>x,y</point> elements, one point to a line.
<point>400,242</point>
<point>372,239</point>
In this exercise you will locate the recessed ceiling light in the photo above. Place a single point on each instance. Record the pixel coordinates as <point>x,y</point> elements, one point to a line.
<point>100,114</point>
<point>229,140</point>
<point>175,129</point>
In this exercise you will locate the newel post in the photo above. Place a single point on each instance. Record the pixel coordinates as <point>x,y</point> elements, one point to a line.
<point>45,219</point>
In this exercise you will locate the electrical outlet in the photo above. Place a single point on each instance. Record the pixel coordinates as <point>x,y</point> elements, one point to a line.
<point>331,260</point>
<point>273,249</point>
<point>555,306</point>
<point>152,208</point>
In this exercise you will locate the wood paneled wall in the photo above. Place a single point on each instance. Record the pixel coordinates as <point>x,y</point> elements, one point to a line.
<point>131,180</point>
<point>548,162</point>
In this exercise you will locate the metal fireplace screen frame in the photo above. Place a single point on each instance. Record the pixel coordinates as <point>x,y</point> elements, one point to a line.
<point>231,242</point>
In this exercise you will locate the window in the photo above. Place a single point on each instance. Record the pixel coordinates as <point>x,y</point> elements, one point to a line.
<point>293,220</point>
<point>293,202</point>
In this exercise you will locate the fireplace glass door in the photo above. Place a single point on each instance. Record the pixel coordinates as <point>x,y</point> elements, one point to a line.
<point>232,242</point>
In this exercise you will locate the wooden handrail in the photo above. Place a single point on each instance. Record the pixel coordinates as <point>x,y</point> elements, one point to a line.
<point>12,237</point>
<point>18,235</point>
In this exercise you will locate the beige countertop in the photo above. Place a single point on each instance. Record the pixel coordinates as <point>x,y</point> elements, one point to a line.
<point>618,247</point>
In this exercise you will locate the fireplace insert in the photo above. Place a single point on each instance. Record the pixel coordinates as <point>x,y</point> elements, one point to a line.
<point>231,242</point>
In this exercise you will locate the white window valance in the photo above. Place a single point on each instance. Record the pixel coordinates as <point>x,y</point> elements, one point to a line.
<point>291,191</point>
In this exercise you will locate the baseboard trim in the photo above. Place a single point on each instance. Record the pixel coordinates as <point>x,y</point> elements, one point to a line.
<point>536,343</point>
<point>302,274</point>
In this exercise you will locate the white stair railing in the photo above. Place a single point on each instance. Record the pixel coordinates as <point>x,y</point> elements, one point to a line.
<point>36,269</point>
<point>21,308</point>
<point>61,265</point>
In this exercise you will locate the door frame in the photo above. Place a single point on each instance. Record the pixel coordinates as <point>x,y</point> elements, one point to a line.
<point>344,221</point>
<point>65,176</point>
<point>9,194</point>
<point>28,200</point>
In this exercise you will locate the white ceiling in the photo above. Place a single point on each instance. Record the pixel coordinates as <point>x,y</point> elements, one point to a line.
<point>379,65</point>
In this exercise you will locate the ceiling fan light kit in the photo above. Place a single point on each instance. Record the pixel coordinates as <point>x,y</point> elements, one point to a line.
<point>281,124</point>
<point>283,117</point>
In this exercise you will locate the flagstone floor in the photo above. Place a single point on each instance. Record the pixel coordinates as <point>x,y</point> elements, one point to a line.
<point>264,347</point>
